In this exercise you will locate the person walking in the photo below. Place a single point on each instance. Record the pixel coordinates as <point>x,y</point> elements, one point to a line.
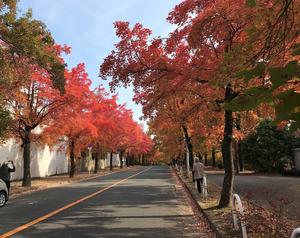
<point>198,169</point>
<point>5,171</point>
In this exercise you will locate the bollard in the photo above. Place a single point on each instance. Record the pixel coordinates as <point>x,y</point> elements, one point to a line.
<point>204,188</point>
<point>296,233</point>
<point>238,207</point>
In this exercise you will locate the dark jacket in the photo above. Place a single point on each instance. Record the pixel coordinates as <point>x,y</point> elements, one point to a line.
<point>5,172</point>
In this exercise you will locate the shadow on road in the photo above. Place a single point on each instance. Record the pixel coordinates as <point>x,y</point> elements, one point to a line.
<point>146,206</point>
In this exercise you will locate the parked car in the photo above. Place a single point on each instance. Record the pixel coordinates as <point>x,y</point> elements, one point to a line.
<point>3,193</point>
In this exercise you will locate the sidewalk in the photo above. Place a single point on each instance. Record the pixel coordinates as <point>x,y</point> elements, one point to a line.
<point>211,170</point>
<point>38,184</point>
<point>202,227</point>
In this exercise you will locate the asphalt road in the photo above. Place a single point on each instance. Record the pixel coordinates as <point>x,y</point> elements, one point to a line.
<point>141,202</point>
<point>265,190</point>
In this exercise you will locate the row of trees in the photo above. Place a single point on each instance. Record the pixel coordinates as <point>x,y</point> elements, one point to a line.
<point>192,82</point>
<point>44,102</point>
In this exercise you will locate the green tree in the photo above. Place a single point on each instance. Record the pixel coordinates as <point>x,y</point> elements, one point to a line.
<point>269,149</point>
<point>25,44</point>
<point>5,122</point>
<point>280,90</point>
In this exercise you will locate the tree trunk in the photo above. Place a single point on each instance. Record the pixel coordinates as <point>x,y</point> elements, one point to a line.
<point>143,159</point>
<point>121,159</point>
<point>238,148</point>
<point>213,156</point>
<point>111,161</point>
<point>127,160</point>
<point>26,159</point>
<point>236,156</point>
<point>205,159</point>
<point>189,149</point>
<point>72,159</point>
<point>191,156</point>
<point>227,153</point>
<point>96,162</point>
<point>241,162</point>
<point>132,159</point>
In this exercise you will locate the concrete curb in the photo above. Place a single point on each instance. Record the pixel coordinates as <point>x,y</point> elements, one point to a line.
<point>211,224</point>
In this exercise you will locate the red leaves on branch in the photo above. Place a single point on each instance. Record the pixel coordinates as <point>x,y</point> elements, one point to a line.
<point>90,117</point>
<point>214,41</point>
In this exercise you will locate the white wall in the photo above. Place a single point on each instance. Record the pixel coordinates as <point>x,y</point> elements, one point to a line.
<point>44,161</point>
<point>106,162</point>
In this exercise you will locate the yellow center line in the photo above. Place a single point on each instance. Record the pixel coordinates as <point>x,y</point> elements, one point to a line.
<point>42,218</point>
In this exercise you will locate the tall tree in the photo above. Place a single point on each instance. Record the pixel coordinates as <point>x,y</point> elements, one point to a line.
<point>213,42</point>
<point>31,108</point>
<point>74,120</point>
<point>25,44</point>
<point>228,39</point>
<point>157,75</point>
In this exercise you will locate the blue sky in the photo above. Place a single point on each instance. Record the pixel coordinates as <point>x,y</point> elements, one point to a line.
<point>87,26</point>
